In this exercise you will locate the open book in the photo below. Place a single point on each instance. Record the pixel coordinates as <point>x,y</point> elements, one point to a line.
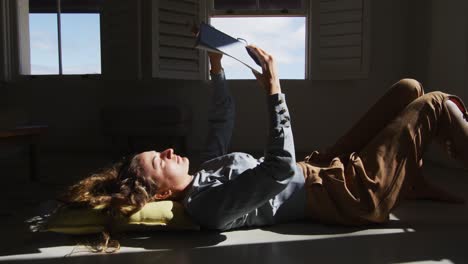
<point>211,39</point>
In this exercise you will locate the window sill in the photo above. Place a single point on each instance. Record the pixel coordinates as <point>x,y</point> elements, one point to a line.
<point>60,77</point>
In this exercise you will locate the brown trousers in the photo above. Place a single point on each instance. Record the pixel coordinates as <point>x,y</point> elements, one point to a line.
<point>369,170</point>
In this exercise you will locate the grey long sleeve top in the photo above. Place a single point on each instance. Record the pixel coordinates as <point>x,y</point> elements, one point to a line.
<point>237,190</point>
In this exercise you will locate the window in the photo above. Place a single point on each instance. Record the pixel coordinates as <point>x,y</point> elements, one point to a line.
<point>64,37</point>
<point>336,43</point>
<point>234,6</point>
<point>283,37</point>
<point>279,27</point>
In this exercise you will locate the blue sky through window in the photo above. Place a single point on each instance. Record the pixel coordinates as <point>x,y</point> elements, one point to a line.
<point>44,44</point>
<point>81,51</point>
<point>282,37</point>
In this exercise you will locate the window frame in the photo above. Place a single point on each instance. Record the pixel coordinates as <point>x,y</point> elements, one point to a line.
<point>211,11</point>
<point>302,12</point>
<point>27,45</point>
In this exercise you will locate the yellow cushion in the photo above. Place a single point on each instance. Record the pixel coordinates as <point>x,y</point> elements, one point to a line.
<point>77,221</point>
<point>161,215</point>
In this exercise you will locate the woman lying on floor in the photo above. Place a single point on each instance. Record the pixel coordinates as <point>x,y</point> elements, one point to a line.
<point>357,181</point>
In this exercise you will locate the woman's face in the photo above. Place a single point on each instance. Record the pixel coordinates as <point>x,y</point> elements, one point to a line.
<point>168,170</point>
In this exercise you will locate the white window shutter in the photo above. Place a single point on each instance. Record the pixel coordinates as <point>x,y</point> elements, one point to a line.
<point>14,39</point>
<point>4,41</point>
<point>340,41</point>
<point>174,55</point>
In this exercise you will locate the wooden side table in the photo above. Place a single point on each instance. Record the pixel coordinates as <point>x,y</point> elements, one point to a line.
<point>28,135</point>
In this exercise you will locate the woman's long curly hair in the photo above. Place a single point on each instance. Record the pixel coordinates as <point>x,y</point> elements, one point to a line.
<point>121,188</point>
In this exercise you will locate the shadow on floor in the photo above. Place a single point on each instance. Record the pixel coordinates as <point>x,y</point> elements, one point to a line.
<point>31,243</point>
<point>377,248</point>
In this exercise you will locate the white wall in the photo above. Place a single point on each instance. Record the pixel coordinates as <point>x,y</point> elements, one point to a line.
<point>321,110</point>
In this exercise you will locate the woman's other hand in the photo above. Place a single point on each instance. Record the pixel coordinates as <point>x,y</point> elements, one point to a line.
<point>215,58</point>
<point>215,62</point>
<point>269,78</point>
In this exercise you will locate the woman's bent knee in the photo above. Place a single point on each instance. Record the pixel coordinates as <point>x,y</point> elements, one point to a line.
<point>409,88</point>
<point>436,96</point>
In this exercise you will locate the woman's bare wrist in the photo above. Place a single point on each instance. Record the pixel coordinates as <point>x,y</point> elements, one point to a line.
<point>216,70</point>
<point>216,67</point>
<point>274,88</point>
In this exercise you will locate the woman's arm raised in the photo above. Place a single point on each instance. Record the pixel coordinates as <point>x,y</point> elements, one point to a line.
<point>221,112</point>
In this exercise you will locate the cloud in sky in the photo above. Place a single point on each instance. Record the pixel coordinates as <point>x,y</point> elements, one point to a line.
<point>40,69</point>
<point>82,69</point>
<point>43,41</point>
<point>283,37</point>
